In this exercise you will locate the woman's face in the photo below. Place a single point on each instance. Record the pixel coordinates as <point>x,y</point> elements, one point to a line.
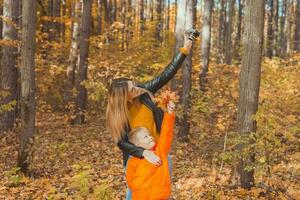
<point>134,91</point>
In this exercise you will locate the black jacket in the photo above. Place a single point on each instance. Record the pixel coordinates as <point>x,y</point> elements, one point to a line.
<point>152,86</point>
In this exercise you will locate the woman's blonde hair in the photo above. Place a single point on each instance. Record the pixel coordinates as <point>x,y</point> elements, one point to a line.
<point>117,109</point>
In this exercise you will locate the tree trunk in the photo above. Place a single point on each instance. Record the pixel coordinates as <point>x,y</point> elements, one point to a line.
<point>286,29</point>
<point>205,45</point>
<point>239,29</point>
<point>297,29</point>
<point>250,81</point>
<point>221,33</point>
<point>270,29</point>
<point>1,22</point>
<point>168,15</point>
<point>54,10</point>
<point>99,17</point>
<point>27,82</point>
<point>158,21</point>
<point>74,51</point>
<point>184,21</point>
<point>81,101</point>
<point>194,13</point>
<point>276,19</point>
<point>9,74</point>
<point>228,37</point>
<point>62,25</point>
<point>142,17</point>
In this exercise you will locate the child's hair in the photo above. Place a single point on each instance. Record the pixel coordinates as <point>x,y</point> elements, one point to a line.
<point>133,133</point>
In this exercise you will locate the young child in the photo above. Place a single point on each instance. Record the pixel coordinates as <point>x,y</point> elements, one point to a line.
<point>147,181</point>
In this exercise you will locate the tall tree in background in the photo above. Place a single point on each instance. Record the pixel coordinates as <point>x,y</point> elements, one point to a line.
<point>74,50</point>
<point>239,29</point>
<point>54,10</point>
<point>250,81</point>
<point>205,45</point>
<point>168,15</point>
<point>276,30</point>
<point>184,21</point>
<point>81,100</point>
<point>158,21</point>
<point>99,17</point>
<point>222,15</point>
<point>270,29</point>
<point>27,81</point>
<point>286,39</point>
<point>228,33</point>
<point>297,28</point>
<point>9,70</point>
<point>142,17</point>
<point>1,21</point>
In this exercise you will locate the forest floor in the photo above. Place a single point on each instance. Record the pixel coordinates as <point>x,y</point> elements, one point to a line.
<point>82,162</point>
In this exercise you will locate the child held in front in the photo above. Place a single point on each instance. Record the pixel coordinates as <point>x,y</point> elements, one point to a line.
<point>147,181</point>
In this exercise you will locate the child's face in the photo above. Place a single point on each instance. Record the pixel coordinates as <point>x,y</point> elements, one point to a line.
<point>145,140</point>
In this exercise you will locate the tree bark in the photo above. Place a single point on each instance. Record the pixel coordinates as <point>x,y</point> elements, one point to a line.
<point>9,70</point>
<point>270,29</point>
<point>228,37</point>
<point>142,17</point>
<point>239,29</point>
<point>54,10</point>
<point>286,47</point>
<point>74,51</point>
<point>221,32</point>
<point>250,81</point>
<point>184,21</point>
<point>27,82</point>
<point>81,101</point>
<point>205,45</point>
<point>158,21</point>
<point>168,15</point>
<point>99,17</point>
<point>297,28</point>
<point>276,19</point>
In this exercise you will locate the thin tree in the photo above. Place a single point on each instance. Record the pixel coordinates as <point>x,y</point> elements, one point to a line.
<point>276,31</point>
<point>297,28</point>
<point>270,29</point>
<point>239,29</point>
<point>99,17</point>
<point>158,21</point>
<point>142,17</point>
<point>286,42</point>
<point>1,21</point>
<point>168,15</point>
<point>221,32</point>
<point>228,33</point>
<point>81,100</point>
<point>27,69</point>
<point>9,70</point>
<point>250,81</point>
<point>205,45</point>
<point>184,21</point>
<point>74,50</point>
<point>54,10</point>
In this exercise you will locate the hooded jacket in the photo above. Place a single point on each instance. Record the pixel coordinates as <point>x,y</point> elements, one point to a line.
<point>147,181</point>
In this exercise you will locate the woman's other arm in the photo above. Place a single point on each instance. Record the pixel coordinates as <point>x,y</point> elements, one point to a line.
<point>131,149</point>
<point>139,152</point>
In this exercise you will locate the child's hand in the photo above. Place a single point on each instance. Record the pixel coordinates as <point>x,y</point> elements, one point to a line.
<point>170,107</point>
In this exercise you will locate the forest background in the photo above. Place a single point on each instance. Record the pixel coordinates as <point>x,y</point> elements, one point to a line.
<point>238,111</point>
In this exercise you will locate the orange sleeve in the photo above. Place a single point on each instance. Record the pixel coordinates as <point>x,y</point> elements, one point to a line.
<point>166,135</point>
<point>130,171</point>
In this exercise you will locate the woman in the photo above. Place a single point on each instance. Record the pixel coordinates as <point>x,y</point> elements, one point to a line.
<point>131,105</point>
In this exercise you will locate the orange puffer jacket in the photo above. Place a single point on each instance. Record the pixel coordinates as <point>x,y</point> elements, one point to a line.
<point>147,181</point>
